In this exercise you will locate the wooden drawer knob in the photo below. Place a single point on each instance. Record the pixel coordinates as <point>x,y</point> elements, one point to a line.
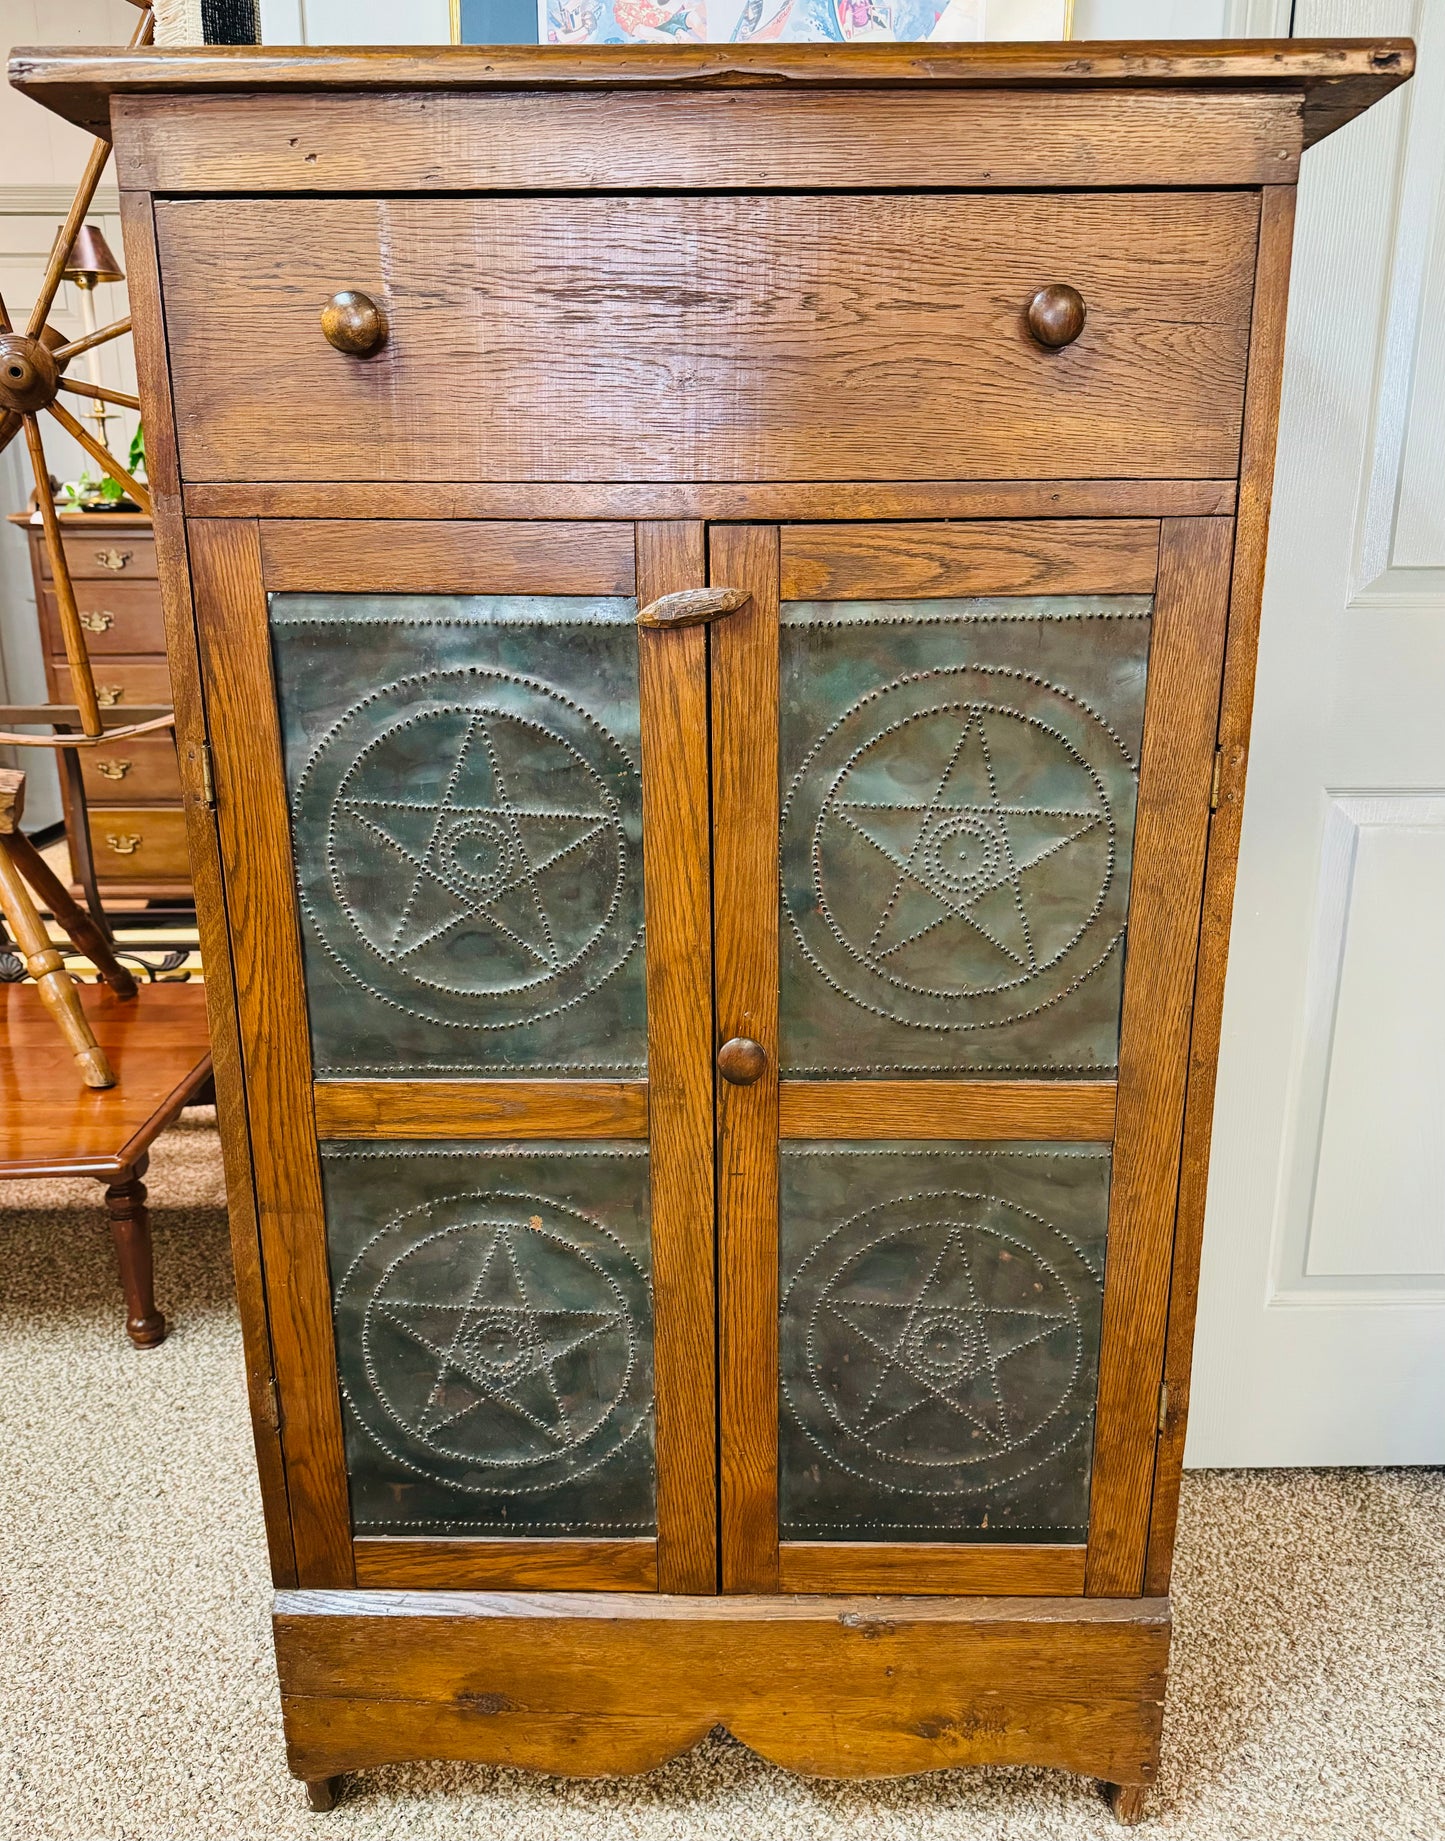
<point>353,323</point>
<point>742,1061</point>
<point>1056,315</point>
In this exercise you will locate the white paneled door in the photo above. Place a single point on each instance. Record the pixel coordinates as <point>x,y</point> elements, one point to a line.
<point>1322,1309</point>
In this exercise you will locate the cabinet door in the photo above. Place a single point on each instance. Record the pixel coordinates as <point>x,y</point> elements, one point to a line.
<point>961,796</point>
<point>462,801</point>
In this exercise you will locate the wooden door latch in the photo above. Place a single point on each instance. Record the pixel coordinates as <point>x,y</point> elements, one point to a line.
<point>690,607</point>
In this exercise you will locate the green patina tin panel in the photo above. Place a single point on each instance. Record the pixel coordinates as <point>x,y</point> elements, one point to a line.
<point>939,1340</point>
<point>466,808</point>
<point>493,1316</point>
<point>958,781</point>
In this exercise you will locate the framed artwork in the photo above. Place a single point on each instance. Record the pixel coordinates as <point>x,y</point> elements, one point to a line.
<point>741,22</point>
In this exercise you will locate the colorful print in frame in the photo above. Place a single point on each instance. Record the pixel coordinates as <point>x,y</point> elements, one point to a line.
<point>695,22</point>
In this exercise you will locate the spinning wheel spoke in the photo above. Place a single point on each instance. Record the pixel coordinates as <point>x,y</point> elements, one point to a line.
<point>100,393</point>
<point>60,255</point>
<point>82,680</point>
<point>5,325</point>
<point>116,330</point>
<point>101,455</point>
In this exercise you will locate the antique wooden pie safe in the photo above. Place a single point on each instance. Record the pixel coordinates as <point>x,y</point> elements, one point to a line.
<point>712,600</point>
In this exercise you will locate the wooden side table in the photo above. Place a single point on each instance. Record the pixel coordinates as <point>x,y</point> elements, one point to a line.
<point>51,1125</point>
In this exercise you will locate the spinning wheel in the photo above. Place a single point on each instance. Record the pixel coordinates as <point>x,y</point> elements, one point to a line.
<point>33,379</point>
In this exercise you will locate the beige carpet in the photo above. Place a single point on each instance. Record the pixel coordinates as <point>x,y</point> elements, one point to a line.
<point>138,1702</point>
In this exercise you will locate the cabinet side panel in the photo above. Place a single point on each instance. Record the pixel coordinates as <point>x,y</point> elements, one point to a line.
<point>1191,605</point>
<point>1261,425</point>
<point>206,874</point>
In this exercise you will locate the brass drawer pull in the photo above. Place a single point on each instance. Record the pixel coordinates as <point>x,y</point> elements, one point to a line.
<point>97,623</point>
<point>113,770</point>
<point>107,695</point>
<point>353,322</point>
<point>691,606</point>
<point>1056,315</point>
<point>125,846</point>
<point>742,1061</point>
<point>114,560</point>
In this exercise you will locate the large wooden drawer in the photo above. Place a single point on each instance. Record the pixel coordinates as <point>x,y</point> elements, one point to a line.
<point>120,680</point>
<point>710,338</point>
<point>139,843</point>
<point>118,616</point>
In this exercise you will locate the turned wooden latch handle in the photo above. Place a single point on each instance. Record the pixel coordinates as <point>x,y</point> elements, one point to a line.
<point>691,606</point>
<point>353,322</point>
<point>1056,315</point>
<point>741,1061</point>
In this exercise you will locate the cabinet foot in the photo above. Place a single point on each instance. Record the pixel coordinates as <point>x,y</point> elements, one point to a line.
<point>1127,1801</point>
<point>323,1793</point>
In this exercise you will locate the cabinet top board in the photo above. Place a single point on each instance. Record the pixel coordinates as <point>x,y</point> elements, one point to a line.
<point>1336,78</point>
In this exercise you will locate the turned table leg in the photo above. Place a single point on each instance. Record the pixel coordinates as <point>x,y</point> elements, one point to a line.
<point>1127,1801</point>
<point>322,1793</point>
<point>130,1229</point>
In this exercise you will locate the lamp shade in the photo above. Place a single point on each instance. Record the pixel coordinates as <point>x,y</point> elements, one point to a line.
<point>90,260</point>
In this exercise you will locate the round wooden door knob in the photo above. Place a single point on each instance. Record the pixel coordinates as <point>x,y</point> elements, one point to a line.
<point>353,323</point>
<point>742,1061</point>
<point>1056,315</point>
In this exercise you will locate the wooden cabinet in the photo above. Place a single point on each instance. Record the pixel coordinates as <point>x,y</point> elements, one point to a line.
<point>132,806</point>
<point>713,704</point>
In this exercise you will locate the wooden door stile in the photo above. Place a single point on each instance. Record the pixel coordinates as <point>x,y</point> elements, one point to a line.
<point>255,839</point>
<point>678,901</point>
<point>745,829</point>
<point>1176,774</point>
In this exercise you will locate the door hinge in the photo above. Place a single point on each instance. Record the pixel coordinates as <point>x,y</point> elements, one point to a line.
<point>1215,779</point>
<point>1163,1405</point>
<point>208,782</point>
<point>271,1405</point>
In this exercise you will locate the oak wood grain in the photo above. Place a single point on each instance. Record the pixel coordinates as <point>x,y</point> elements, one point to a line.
<point>481,1108</point>
<point>899,562</point>
<point>836,1686</point>
<point>1266,366</point>
<point>1335,76</point>
<point>743,139</point>
<point>875,337</point>
<point>399,556</point>
<point>168,547</point>
<point>519,1565</point>
<point>1055,1110</point>
<point>908,1567</point>
<point>255,844</point>
<point>800,499</point>
<point>745,832</point>
<point>671,557</point>
<point>1176,769</point>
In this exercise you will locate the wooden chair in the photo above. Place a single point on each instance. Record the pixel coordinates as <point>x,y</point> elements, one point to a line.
<point>21,864</point>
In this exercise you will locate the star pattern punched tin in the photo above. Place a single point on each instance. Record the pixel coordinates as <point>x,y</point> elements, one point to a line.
<point>466,804</point>
<point>939,1340</point>
<point>493,1328</point>
<point>958,784</point>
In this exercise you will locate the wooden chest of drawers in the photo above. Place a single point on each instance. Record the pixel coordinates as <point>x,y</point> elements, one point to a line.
<point>713,599</point>
<point>132,791</point>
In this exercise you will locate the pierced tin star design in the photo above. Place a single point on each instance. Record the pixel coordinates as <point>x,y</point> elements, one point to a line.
<point>965,854</point>
<point>499,1350</point>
